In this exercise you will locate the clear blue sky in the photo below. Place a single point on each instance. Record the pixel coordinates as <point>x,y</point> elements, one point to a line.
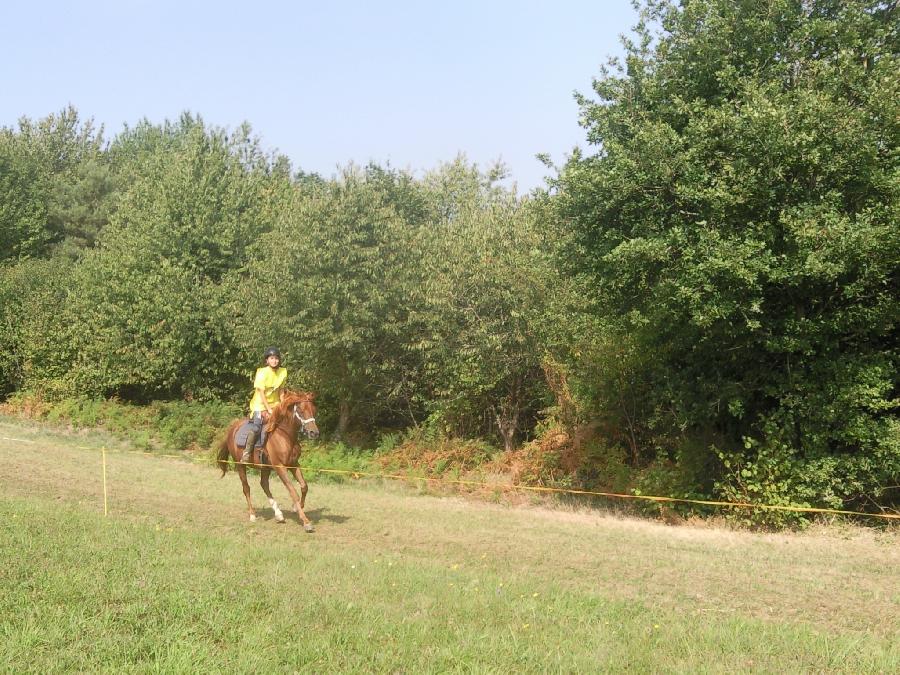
<point>328,82</point>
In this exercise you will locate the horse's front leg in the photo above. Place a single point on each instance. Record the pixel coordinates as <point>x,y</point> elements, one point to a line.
<point>298,474</point>
<point>264,482</point>
<point>242,472</point>
<point>298,507</point>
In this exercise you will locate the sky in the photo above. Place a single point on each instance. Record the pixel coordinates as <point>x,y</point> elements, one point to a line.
<point>405,83</point>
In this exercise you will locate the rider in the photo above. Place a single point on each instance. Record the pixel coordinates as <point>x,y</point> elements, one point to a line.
<point>268,393</point>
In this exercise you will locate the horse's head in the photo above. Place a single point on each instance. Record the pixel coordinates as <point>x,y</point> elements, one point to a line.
<point>301,404</point>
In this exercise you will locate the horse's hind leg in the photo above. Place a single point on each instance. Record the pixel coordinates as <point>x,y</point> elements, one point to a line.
<point>264,481</point>
<point>298,507</point>
<point>304,488</point>
<point>242,472</point>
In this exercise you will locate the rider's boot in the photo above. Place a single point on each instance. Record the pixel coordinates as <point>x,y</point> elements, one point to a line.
<point>248,448</point>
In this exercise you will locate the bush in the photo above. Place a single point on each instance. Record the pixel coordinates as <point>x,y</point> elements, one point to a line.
<point>774,472</point>
<point>336,456</point>
<point>738,223</point>
<point>165,425</point>
<point>425,453</point>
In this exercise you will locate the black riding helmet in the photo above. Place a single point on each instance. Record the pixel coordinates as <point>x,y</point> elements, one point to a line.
<point>272,351</point>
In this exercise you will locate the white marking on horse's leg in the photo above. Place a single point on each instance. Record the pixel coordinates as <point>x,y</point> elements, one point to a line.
<point>252,517</point>
<point>279,516</point>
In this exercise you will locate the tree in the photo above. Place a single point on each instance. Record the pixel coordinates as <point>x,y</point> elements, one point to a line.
<point>147,299</point>
<point>485,280</point>
<point>333,281</point>
<point>739,222</point>
<point>23,203</point>
<point>81,205</point>
<point>53,185</point>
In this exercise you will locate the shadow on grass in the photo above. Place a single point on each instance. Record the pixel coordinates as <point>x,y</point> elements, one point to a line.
<point>315,515</point>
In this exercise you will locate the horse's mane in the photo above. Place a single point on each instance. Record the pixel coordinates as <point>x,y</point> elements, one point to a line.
<point>283,410</point>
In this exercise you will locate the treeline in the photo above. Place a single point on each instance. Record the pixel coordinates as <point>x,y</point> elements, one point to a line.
<point>401,301</point>
<point>707,302</point>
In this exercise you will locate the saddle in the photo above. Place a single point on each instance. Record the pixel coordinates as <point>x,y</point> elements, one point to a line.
<point>240,438</point>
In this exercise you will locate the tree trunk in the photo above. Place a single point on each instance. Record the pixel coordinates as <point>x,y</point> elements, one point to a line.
<point>343,421</point>
<point>509,437</point>
<point>507,419</point>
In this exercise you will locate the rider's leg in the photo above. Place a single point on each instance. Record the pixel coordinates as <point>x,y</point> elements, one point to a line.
<point>248,448</point>
<point>252,434</point>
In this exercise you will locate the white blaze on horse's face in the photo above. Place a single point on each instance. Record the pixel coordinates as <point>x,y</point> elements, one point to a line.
<point>310,428</point>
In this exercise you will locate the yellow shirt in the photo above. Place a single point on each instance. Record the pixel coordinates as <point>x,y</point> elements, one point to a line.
<point>270,381</point>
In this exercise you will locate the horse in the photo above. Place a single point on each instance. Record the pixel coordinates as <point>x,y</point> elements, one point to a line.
<point>296,412</point>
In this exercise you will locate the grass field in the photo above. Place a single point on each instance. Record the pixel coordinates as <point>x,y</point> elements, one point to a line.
<point>176,579</point>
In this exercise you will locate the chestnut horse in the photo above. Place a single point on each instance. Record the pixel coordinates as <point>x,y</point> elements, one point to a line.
<point>296,412</point>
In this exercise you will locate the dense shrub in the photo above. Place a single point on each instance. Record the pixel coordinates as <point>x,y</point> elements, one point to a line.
<point>162,425</point>
<point>426,453</point>
<point>738,221</point>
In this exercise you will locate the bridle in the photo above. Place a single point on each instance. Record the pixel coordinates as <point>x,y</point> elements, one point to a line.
<point>304,421</point>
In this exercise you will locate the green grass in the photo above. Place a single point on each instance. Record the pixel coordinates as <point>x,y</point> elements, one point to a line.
<point>176,580</point>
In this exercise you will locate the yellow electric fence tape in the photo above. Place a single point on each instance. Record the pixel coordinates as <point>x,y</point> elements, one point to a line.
<point>532,488</point>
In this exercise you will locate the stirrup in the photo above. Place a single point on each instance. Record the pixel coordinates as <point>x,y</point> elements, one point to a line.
<point>247,456</point>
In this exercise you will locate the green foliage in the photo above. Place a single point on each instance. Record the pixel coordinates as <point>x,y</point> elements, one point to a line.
<point>775,472</point>
<point>37,344</point>
<point>739,225</point>
<point>183,424</point>
<point>329,284</point>
<point>400,300</point>
<point>335,457</point>
<point>181,226</point>
<point>166,425</point>
<point>53,185</point>
<point>81,205</point>
<point>480,308</point>
<point>23,202</point>
<point>12,302</point>
<point>605,466</point>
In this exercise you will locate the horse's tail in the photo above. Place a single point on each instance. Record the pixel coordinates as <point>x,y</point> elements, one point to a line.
<point>223,455</point>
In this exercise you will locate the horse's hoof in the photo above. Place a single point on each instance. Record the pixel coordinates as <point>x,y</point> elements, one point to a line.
<point>309,528</point>
<point>279,520</point>
<point>252,518</point>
